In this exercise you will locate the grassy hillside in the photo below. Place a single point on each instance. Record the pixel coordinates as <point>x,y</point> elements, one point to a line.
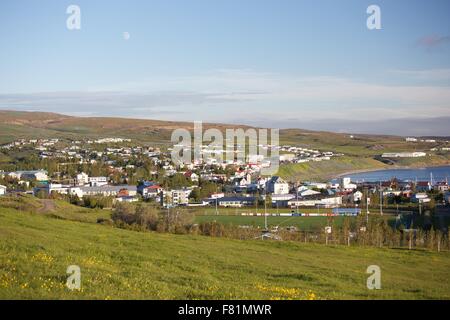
<point>35,251</point>
<point>324,170</point>
<point>53,208</point>
<point>353,145</point>
<point>40,124</point>
<point>14,124</point>
<point>433,160</point>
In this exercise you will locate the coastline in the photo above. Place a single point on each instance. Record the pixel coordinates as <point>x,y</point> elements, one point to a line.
<point>341,175</point>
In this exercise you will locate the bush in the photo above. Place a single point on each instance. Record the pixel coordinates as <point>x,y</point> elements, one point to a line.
<point>124,213</point>
<point>105,222</point>
<point>147,216</point>
<point>97,202</point>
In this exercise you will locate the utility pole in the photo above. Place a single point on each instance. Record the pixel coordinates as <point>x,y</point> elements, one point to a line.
<point>367,206</point>
<point>411,230</point>
<point>265,209</point>
<point>381,200</point>
<point>217,199</point>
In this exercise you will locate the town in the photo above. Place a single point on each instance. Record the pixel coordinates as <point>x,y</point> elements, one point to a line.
<point>106,171</point>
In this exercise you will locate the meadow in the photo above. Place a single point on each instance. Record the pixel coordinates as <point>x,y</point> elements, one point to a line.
<point>36,249</point>
<point>302,223</point>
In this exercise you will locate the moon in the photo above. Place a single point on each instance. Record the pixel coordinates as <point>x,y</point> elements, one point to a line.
<point>126,35</point>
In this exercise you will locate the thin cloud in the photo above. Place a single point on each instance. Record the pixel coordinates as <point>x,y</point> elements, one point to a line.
<point>425,75</point>
<point>433,41</point>
<point>245,96</point>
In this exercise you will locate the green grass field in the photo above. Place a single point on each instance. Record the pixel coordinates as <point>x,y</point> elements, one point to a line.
<point>325,170</point>
<point>302,223</point>
<point>36,249</point>
<point>58,209</point>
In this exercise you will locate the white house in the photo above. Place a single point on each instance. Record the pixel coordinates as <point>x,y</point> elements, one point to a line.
<point>152,191</point>
<point>192,175</point>
<point>109,191</point>
<point>277,185</point>
<point>309,193</point>
<point>318,185</point>
<point>125,199</point>
<point>357,196</point>
<point>175,197</point>
<point>404,155</point>
<point>243,180</point>
<point>53,187</point>
<point>217,195</point>
<point>82,179</point>
<point>98,181</point>
<point>2,190</point>
<point>346,184</point>
<point>331,201</point>
<point>39,175</point>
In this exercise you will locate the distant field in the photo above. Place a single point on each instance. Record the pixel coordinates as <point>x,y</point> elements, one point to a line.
<point>302,223</point>
<point>433,160</point>
<point>36,250</point>
<point>324,170</point>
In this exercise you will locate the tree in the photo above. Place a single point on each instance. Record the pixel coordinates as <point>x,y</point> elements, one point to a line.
<point>195,195</point>
<point>147,216</point>
<point>207,188</point>
<point>123,213</point>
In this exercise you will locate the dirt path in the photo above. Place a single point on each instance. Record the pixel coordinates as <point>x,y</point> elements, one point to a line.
<point>47,206</point>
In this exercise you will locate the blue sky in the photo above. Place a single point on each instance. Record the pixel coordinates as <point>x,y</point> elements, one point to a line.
<point>310,64</point>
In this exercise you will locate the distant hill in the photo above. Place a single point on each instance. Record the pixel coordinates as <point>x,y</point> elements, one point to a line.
<point>20,124</point>
<point>141,128</point>
<point>361,151</point>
